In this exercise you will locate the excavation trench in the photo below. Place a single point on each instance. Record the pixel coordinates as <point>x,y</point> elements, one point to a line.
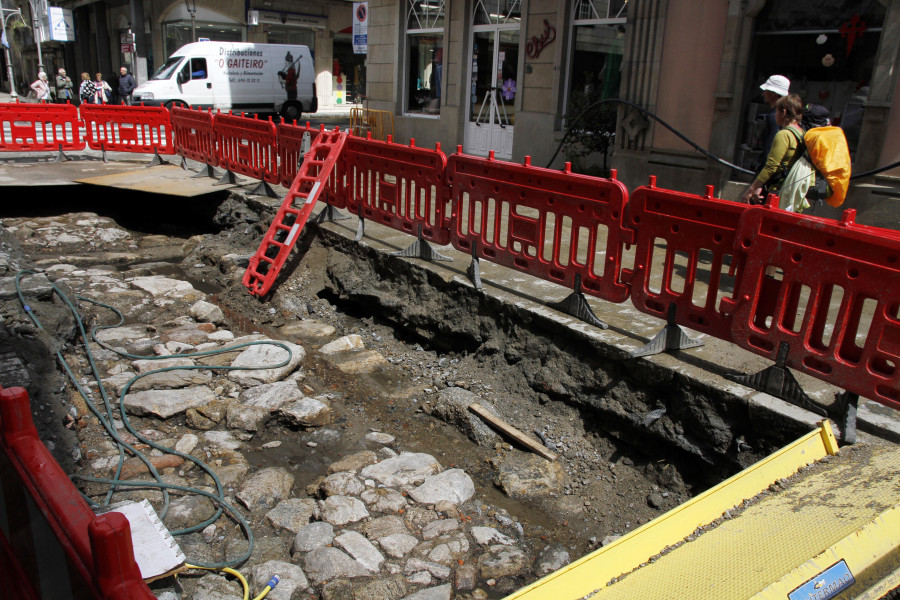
<point>634,437</point>
<point>625,429</point>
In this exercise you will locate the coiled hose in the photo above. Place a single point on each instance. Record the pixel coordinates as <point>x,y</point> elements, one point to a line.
<point>106,418</point>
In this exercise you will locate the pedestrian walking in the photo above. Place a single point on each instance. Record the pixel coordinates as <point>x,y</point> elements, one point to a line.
<point>101,90</point>
<point>775,88</point>
<point>41,88</point>
<point>64,87</point>
<point>86,91</point>
<point>126,85</point>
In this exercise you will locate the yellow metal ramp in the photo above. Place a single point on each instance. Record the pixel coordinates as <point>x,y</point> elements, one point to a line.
<point>831,532</point>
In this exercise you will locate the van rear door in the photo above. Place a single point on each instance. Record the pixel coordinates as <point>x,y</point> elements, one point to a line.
<point>195,83</point>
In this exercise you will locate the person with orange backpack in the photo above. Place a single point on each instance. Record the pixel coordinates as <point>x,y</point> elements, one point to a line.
<point>825,153</point>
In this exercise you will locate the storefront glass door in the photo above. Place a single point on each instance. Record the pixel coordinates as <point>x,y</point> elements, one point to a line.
<point>493,86</point>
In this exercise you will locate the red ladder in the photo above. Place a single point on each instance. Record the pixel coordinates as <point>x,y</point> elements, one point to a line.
<point>278,242</point>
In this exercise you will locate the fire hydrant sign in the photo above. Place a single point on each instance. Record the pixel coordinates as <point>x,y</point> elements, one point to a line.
<point>360,27</point>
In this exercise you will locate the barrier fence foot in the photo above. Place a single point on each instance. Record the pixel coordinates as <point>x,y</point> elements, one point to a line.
<point>184,163</point>
<point>227,178</point>
<point>670,337</point>
<point>576,305</point>
<point>422,249</point>
<point>61,157</point>
<point>206,171</point>
<point>103,150</point>
<point>778,381</point>
<point>329,214</point>
<point>847,403</point>
<point>474,270</point>
<point>361,226</point>
<point>264,189</point>
<point>157,160</point>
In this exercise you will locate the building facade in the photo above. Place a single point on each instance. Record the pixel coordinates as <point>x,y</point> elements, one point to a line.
<point>514,76</point>
<point>141,34</point>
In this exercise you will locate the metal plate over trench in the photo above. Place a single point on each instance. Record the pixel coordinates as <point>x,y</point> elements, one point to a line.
<point>845,514</point>
<point>169,180</point>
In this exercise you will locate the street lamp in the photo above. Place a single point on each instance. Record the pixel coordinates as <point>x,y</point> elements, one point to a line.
<point>191,6</point>
<point>3,18</point>
<point>36,25</point>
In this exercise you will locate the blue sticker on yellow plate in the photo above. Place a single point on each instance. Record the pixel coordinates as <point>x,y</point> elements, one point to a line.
<point>827,584</point>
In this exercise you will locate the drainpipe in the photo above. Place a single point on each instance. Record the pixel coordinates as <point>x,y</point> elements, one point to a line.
<point>9,68</point>
<point>139,68</point>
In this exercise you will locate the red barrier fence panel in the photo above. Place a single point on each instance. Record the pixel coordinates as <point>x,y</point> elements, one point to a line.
<point>555,225</point>
<point>829,291</point>
<point>194,132</point>
<point>289,141</point>
<point>247,146</point>
<point>49,534</point>
<point>684,255</point>
<point>142,129</point>
<point>398,186</point>
<point>39,127</point>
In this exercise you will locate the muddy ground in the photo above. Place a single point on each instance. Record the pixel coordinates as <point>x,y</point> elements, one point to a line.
<point>632,443</point>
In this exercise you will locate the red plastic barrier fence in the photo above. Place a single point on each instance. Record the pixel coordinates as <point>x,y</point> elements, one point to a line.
<point>52,544</point>
<point>795,269</point>
<point>39,127</point>
<point>195,137</point>
<point>686,242</point>
<point>247,146</point>
<point>398,186</point>
<point>540,221</point>
<point>143,129</point>
<point>289,140</point>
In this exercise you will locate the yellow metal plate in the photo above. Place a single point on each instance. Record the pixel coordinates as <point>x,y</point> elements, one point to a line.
<point>593,571</point>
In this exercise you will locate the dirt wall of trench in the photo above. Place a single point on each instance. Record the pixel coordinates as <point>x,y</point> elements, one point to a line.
<point>534,358</point>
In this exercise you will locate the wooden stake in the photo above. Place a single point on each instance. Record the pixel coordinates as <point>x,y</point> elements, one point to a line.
<point>512,432</point>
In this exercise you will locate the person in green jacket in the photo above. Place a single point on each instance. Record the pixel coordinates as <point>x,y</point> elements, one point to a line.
<point>63,87</point>
<point>785,150</point>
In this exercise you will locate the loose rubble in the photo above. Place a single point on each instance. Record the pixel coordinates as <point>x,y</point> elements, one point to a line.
<point>383,515</point>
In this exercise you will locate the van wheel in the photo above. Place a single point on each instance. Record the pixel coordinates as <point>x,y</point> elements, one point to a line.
<point>291,111</point>
<point>177,103</point>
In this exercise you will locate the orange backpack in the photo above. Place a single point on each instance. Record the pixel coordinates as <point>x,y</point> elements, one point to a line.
<point>828,152</point>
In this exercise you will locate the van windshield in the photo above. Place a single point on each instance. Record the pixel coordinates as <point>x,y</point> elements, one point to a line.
<point>167,70</point>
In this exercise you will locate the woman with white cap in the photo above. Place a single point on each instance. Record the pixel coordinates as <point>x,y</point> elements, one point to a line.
<point>775,88</point>
<point>41,88</point>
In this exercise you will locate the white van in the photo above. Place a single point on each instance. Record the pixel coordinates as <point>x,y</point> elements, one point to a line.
<point>240,77</point>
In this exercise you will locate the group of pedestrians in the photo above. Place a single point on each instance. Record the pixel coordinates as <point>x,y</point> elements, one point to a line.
<point>90,91</point>
<point>783,148</point>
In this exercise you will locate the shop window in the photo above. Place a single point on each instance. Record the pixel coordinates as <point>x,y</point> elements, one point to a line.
<point>424,56</point>
<point>178,33</point>
<point>828,54</point>
<point>598,34</point>
<point>498,12</point>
